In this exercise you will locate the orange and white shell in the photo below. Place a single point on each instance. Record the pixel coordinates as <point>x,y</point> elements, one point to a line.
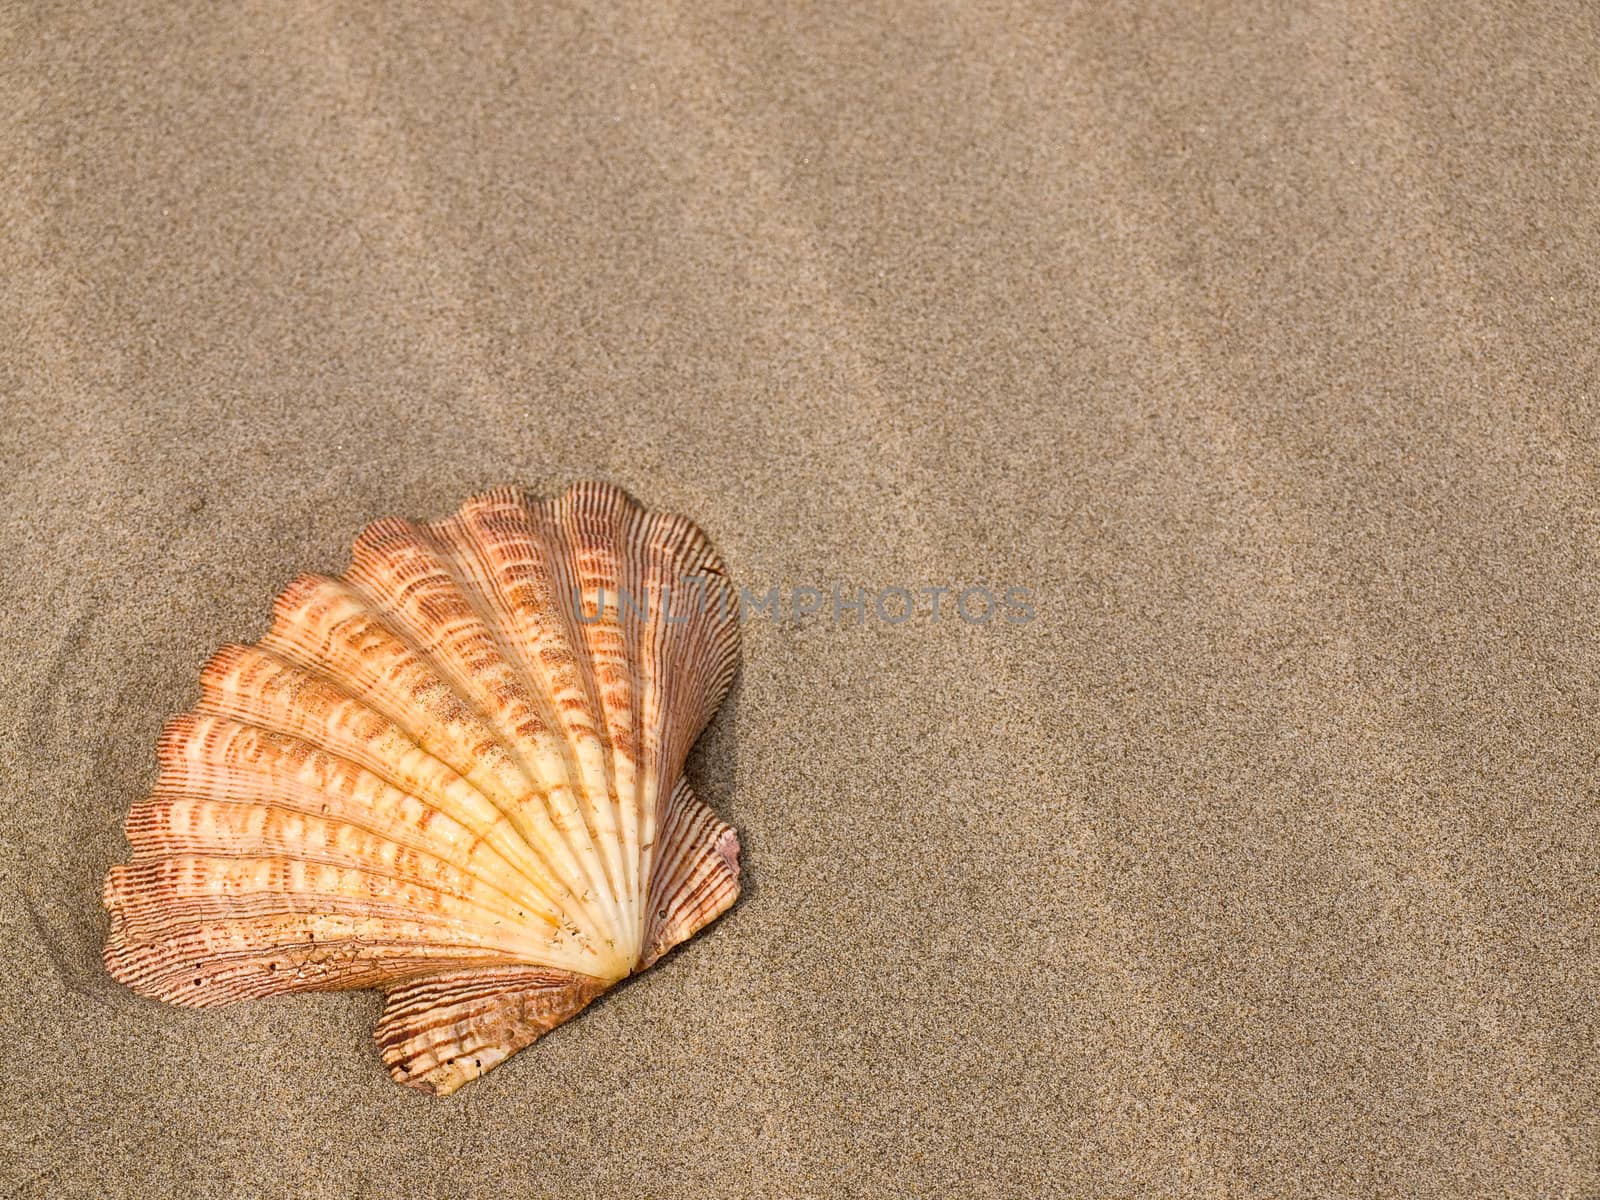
<point>453,773</point>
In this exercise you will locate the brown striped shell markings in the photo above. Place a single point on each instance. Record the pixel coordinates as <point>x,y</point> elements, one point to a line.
<point>451,773</point>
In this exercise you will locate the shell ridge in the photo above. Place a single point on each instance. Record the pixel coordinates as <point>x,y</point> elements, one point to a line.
<point>460,543</point>
<point>456,547</point>
<point>146,831</point>
<point>234,705</point>
<point>239,957</point>
<point>661,649</point>
<point>632,645</point>
<point>597,794</point>
<point>270,953</point>
<point>167,971</point>
<point>710,651</point>
<point>648,572</point>
<point>162,891</point>
<point>604,538</point>
<point>468,541</point>
<point>180,771</point>
<point>554,881</point>
<point>514,905</point>
<point>431,540</point>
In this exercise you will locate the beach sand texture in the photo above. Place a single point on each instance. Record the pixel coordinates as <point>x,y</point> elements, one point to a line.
<point>1260,348</point>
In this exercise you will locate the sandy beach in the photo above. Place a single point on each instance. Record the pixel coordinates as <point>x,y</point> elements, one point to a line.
<point>1256,351</point>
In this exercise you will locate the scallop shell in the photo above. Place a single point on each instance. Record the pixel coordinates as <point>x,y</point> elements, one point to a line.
<point>453,773</point>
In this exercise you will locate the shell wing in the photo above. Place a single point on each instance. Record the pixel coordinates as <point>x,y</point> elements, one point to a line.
<point>697,874</point>
<point>442,1031</point>
<point>454,773</point>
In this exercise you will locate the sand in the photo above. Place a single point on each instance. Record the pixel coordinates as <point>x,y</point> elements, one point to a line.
<point>1259,349</point>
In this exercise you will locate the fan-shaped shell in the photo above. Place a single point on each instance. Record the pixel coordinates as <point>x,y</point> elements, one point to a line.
<point>454,773</point>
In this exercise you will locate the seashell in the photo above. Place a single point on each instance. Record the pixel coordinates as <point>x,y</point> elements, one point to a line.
<point>453,773</point>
